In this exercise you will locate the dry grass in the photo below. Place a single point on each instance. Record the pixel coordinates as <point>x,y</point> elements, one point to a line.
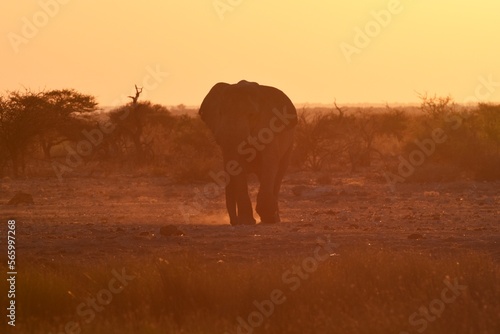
<point>357,291</point>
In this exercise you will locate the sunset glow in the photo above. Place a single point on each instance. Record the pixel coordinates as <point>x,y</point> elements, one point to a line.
<point>395,49</point>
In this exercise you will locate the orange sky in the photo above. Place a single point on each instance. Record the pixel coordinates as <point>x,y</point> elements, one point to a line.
<point>316,51</point>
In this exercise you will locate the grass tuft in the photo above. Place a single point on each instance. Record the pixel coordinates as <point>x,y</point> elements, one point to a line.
<point>358,291</point>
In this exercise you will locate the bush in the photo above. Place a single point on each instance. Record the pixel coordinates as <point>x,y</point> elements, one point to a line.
<point>327,140</point>
<point>148,137</point>
<point>193,152</point>
<point>471,141</point>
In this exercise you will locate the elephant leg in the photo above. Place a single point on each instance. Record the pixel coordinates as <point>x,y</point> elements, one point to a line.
<point>266,200</point>
<point>231,203</point>
<point>230,195</point>
<point>244,204</point>
<point>266,206</point>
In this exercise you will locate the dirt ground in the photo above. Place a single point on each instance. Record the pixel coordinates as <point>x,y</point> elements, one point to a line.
<point>98,219</point>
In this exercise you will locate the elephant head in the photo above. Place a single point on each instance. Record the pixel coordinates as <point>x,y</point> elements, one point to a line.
<point>254,125</point>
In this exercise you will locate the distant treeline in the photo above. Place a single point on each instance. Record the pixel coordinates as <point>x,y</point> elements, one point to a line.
<point>63,133</point>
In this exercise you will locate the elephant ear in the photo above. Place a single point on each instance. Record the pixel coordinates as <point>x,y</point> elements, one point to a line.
<point>275,103</point>
<point>209,109</point>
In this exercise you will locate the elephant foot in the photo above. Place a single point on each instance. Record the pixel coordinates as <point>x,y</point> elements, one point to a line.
<point>270,219</point>
<point>247,221</point>
<point>242,221</point>
<point>267,222</point>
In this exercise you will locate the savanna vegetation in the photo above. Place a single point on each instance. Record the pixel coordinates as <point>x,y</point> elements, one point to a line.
<point>51,135</point>
<point>359,291</point>
<point>64,133</point>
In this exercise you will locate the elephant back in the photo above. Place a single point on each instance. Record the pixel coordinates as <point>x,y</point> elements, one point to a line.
<point>268,101</point>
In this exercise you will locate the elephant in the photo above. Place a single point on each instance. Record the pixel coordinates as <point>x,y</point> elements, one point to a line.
<point>254,126</point>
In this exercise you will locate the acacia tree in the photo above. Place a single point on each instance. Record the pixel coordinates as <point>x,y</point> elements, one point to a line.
<point>20,122</point>
<point>63,111</point>
<point>135,125</point>
<point>47,116</point>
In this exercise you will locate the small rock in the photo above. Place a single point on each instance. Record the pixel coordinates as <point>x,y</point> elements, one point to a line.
<point>436,216</point>
<point>298,190</point>
<point>21,198</point>
<point>415,236</point>
<point>170,230</point>
<point>324,179</point>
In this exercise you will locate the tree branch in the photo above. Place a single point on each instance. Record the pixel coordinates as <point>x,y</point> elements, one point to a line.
<point>341,112</point>
<point>138,92</point>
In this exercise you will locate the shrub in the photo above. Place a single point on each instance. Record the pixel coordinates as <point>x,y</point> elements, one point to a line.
<point>193,152</point>
<point>471,143</point>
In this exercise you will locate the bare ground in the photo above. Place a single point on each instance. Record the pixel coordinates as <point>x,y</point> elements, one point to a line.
<point>98,219</point>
